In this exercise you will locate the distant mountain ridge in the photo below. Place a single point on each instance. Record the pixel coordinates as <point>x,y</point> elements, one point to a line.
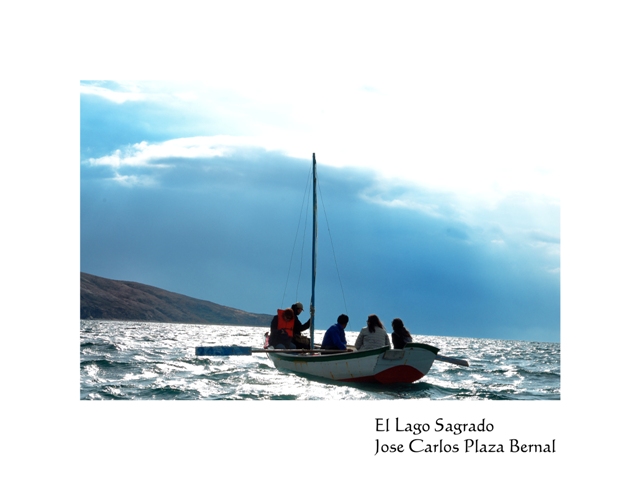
<point>105,299</point>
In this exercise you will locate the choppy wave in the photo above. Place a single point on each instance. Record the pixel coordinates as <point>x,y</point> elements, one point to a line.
<point>152,361</point>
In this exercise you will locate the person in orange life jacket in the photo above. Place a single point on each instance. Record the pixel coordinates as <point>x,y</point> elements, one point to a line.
<point>282,327</point>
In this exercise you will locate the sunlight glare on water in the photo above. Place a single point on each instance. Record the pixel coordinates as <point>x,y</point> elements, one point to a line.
<point>153,361</point>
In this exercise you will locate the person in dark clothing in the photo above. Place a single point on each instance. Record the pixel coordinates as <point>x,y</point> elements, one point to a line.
<point>400,335</point>
<point>298,339</point>
<point>334,338</point>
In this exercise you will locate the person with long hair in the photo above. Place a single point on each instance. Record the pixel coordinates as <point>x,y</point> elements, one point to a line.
<point>400,335</point>
<point>373,335</point>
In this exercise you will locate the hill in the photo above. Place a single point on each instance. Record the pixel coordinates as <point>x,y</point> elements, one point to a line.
<point>105,299</point>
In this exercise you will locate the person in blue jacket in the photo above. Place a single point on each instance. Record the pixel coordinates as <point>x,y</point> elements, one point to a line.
<point>334,338</point>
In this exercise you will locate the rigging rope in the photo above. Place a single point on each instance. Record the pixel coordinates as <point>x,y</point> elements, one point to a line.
<point>305,201</point>
<point>335,260</point>
<point>305,197</point>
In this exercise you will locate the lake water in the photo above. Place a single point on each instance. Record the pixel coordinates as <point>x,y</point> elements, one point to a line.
<point>154,361</point>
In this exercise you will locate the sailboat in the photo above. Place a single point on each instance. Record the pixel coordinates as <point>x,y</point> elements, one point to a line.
<point>380,365</point>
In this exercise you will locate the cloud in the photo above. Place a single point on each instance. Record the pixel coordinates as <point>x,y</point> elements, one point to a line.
<point>374,126</point>
<point>134,180</point>
<point>219,228</point>
<point>198,190</point>
<point>192,160</point>
<point>146,154</point>
<point>395,194</point>
<point>120,92</point>
<point>544,237</point>
<point>112,95</point>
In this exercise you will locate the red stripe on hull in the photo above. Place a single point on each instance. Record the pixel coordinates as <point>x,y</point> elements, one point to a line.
<point>399,374</point>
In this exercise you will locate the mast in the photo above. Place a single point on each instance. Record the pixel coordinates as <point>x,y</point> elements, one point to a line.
<point>313,255</point>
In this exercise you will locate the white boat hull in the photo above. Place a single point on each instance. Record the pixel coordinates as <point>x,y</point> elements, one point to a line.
<point>380,365</point>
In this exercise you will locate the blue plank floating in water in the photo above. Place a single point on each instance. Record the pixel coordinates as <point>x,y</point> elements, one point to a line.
<point>223,350</point>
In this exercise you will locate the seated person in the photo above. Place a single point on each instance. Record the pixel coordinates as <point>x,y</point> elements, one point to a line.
<point>373,335</point>
<point>334,338</point>
<point>282,329</point>
<point>400,335</point>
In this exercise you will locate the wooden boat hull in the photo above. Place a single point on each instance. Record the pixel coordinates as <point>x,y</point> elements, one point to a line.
<point>380,365</point>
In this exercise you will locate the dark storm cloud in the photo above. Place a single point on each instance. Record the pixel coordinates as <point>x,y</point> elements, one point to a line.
<point>223,229</point>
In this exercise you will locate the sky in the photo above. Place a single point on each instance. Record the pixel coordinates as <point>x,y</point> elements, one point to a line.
<point>435,207</point>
